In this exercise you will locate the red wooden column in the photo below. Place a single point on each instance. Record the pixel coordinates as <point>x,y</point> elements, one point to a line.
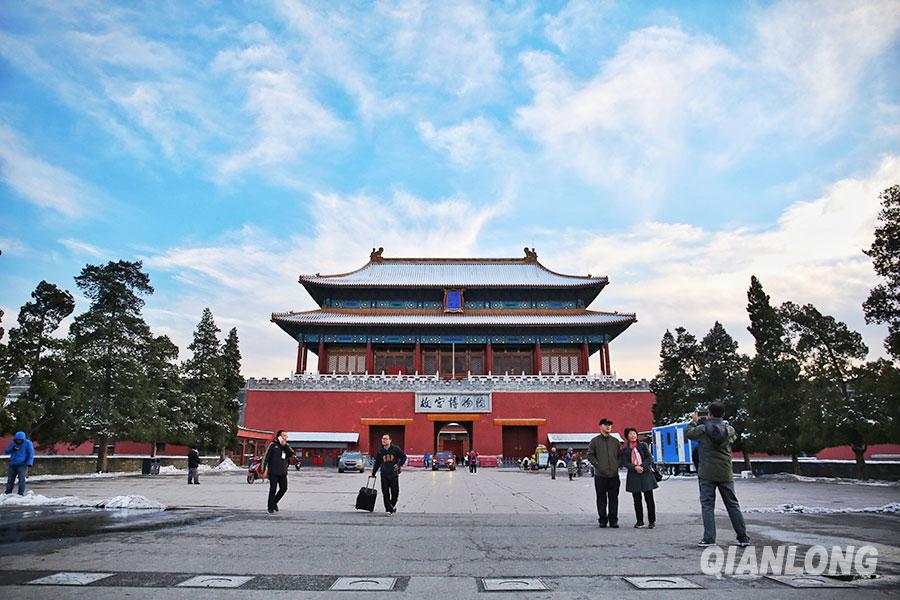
<point>537,358</point>
<point>606,359</point>
<point>585,357</point>
<point>301,356</point>
<point>370,359</point>
<point>323,360</point>
<point>489,358</point>
<point>417,359</point>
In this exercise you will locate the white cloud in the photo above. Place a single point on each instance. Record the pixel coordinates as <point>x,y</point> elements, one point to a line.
<point>469,143</point>
<point>44,185</point>
<point>78,247</point>
<point>248,275</point>
<point>674,274</point>
<point>627,124</point>
<point>450,45</point>
<point>288,122</point>
<point>817,53</point>
<point>578,24</point>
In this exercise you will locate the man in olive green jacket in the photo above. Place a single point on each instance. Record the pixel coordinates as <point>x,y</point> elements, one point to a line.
<point>605,454</point>
<point>715,473</point>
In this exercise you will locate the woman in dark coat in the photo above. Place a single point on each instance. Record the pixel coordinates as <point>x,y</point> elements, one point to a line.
<point>637,459</point>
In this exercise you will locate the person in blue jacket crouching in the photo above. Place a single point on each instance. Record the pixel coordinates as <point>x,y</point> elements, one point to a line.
<point>21,456</point>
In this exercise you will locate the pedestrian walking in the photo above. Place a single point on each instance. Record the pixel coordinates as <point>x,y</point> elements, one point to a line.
<point>473,461</point>
<point>193,465</point>
<point>571,464</point>
<point>604,453</point>
<point>275,464</point>
<point>715,472</point>
<point>553,458</point>
<point>389,460</point>
<point>637,459</point>
<point>21,458</point>
<point>426,460</point>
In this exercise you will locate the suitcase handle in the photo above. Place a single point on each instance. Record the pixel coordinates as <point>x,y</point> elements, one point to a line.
<point>367,481</point>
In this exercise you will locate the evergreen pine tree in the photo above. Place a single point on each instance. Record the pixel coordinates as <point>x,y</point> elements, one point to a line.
<point>43,410</point>
<point>676,387</point>
<point>109,341</point>
<point>828,352</point>
<point>723,378</point>
<point>203,380</point>
<point>883,304</point>
<point>6,423</point>
<point>234,383</point>
<point>775,400</point>
<point>166,416</point>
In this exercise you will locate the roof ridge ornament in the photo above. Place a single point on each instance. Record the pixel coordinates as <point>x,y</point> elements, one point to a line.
<point>530,255</point>
<point>376,255</point>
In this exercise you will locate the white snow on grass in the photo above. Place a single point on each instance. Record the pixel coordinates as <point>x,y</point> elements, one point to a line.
<point>116,502</point>
<point>838,480</point>
<point>891,508</point>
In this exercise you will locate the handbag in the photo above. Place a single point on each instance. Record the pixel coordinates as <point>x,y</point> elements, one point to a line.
<point>656,474</point>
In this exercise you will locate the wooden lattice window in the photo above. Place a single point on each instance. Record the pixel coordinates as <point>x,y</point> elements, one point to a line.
<point>347,359</point>
<point>441,360</point>
<point>513,361</point>
<point>560,361</point>
<point>394,361</point>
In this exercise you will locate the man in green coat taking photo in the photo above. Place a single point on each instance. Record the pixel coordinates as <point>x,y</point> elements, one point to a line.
<point>715,472</point>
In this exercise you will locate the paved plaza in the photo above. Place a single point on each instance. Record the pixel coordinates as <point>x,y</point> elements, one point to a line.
<point>456,535</point>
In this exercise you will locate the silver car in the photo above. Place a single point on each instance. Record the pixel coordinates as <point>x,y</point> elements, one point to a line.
<point>351,461</point>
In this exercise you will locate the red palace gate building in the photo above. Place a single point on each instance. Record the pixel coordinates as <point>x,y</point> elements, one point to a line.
<point>448,354</point>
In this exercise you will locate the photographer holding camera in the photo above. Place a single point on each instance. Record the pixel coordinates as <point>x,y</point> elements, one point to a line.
<point>715,472</point>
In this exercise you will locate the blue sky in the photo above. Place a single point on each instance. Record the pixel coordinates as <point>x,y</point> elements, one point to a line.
<point>676,147</point>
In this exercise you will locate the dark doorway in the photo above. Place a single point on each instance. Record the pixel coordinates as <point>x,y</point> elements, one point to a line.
<point>519,441</point>
<point>376,431</point>
<point>459,442</point>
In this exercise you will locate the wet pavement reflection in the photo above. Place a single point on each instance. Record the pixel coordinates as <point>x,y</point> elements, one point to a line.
<point>61,523</point>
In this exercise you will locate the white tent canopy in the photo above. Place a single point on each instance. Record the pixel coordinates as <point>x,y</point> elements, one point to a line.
<point>323,437</point>
<point>575,438</point>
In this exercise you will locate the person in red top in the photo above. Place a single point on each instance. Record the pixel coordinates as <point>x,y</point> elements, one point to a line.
<point>637,459</point>
<point>473,461</point>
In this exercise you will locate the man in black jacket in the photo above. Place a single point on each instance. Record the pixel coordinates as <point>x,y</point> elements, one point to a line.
<point>278,457</point>
<point>193,465</point>
<point>390,460</point>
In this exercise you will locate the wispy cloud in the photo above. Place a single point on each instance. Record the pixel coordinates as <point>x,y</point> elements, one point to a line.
<point>675,274</point>
<point>248,274</point>
<point>81,248</point>
<point>41,183</point>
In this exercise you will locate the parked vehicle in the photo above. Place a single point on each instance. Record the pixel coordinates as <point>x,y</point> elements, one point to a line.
<point>351,461</point>
<point>672,451</point>
<point>255,471</point>
<point>443,460</point>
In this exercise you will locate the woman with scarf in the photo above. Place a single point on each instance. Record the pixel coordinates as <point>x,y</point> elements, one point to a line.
<point>637,459</point>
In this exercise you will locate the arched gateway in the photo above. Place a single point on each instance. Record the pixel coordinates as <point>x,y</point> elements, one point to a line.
<point>500,347</point>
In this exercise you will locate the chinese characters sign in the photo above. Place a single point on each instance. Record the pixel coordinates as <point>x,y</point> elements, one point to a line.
<point>453,403</point>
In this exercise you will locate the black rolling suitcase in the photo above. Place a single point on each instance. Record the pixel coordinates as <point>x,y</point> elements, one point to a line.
<point>367,496</point>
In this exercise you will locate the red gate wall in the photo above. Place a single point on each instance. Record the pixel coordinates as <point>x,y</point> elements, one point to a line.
<point>564,412</point>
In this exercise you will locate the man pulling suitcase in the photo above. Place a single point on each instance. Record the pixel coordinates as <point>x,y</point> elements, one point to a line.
<point>389,460</point>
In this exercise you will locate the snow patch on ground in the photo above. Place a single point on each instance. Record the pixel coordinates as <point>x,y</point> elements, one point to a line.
<point>32,478</point>
<point>891,508</point>
<point>227,465</point>
<point>173,470</point>
<point>838,480</point>
<point>116,502</point>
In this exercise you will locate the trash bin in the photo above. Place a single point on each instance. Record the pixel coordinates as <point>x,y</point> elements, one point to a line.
<point>146,465</point>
